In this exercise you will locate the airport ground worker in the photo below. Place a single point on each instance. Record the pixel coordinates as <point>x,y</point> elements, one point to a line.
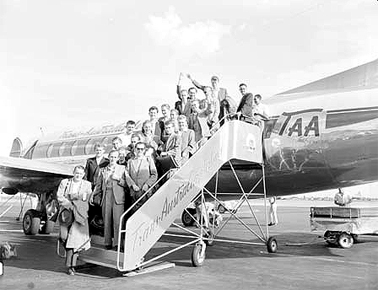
<point>273,211</point>
<point>72,195</point>
<point>341,198</point>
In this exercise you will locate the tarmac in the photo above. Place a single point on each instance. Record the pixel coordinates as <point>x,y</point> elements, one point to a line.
<point>303,259</point>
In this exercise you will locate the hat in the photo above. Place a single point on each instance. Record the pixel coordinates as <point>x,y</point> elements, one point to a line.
<point>215,78</point>
<point>66,217</point>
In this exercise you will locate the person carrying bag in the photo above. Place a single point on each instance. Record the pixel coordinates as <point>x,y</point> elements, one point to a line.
<point>73,197</point>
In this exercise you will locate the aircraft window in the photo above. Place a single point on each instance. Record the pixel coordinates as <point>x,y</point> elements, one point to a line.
<point>107,142</point>
<point>40,151</point>
<point>74,148</point>
<point>88,147</point>
<point>55,150</point>
<point>61,149</point>
<point>49,150</point>
<point>81,146</point>
<point>65,149</point>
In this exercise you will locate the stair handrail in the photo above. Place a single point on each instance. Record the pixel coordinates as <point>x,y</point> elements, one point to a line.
<point>169,171</point>
<point>144,194</point>
<point>229,117</point>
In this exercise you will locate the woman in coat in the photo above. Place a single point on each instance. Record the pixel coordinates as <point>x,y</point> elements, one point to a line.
<point>73,194</point>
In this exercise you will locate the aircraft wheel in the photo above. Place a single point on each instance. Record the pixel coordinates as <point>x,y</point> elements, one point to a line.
<point>186,219</point>
<point>345,241</point>
<point>199,254</point>
<point>48,227</point>
<point>31,222</point>
<point>272,245</point>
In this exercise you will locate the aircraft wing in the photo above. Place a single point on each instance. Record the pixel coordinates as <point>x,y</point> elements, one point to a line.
<point>25,175</point>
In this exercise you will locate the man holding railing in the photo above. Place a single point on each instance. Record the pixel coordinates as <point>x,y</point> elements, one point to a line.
<point>170,155</point>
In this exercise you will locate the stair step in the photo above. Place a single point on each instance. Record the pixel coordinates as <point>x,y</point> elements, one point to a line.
<point>102,257</point>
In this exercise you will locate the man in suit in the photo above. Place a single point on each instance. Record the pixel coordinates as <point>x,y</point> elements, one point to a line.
<point>247,105</point>
<point>198,122</point>
<point>110,186</point>
<point>141,174</point>
<point>243,89</point>
<point>183,104</point>
<point>165,110</point>
<point>94,164</point>
<point>172,147</point>
<point>153,113</point>
<point>227,104</point>
<point>188,142</point>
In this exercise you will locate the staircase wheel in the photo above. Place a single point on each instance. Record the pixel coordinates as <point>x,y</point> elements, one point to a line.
<point>199,254</point>
<point>272,245</point>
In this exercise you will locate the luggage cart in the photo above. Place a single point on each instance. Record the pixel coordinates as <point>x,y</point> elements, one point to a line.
<point>342,225</point>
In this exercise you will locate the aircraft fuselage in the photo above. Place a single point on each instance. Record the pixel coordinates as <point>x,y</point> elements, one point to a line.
<point>305,151</point>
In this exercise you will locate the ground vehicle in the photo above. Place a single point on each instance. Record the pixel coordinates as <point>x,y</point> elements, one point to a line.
<point>342,225</point>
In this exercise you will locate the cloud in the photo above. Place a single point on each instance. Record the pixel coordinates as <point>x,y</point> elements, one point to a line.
<point>199,38</point>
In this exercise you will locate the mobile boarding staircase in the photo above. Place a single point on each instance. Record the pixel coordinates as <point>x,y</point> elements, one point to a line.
<point>235,139</point>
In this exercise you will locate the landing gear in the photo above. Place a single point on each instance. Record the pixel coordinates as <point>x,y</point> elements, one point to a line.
<point>199,254</point>
<point>31,222</point>
<point>272,245</point>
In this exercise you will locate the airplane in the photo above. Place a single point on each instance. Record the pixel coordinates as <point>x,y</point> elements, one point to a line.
<point>322,135</point>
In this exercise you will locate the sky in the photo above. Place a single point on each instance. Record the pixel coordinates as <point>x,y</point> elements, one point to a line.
<point>78,64</point>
